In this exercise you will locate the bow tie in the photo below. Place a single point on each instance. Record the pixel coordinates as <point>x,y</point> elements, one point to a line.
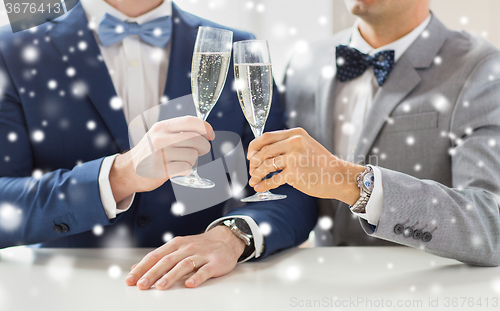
<point>351,63</point>
<point>156,32</point>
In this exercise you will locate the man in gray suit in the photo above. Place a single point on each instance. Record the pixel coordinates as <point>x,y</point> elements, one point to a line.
<point>419,105</point>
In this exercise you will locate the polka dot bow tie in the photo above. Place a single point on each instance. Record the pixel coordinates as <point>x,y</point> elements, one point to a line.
<point>156,32</point>
<point>351,63</point>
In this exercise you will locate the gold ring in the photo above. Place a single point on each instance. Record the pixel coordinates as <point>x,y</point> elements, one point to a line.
<point>274,164</point>
<point>194,264</point>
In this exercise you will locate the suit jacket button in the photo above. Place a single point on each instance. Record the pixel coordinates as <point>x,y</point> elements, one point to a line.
<point>417,234</point>
<point>57,228</point>
<point>142,221</point>
<point>398,229</point>
<point>408,232</point>
<point>427,237</point>
<point>64,227</point>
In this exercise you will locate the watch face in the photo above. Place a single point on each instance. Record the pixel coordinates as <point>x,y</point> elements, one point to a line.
<point>368,180</point>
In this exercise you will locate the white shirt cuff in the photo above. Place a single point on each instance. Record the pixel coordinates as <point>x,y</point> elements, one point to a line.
<point>258,237</point>
<point>374,206</point>
<point>111,208</point>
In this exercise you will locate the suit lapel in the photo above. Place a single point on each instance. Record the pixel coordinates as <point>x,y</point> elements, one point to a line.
<point>90,70</point>
<point>326,95</point>
<point>402,80</point>
<point>183,39</point>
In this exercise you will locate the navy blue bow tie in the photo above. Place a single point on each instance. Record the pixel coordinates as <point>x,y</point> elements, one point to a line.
<point>351,63</point>
<point>156,32</point>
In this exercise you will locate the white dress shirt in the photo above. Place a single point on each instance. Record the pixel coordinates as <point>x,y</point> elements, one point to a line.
<point>354,100</point>
<point>139,74</point>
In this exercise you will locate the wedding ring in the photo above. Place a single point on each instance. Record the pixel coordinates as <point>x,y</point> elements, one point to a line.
<point>194,264</point>
<point>274,164</point>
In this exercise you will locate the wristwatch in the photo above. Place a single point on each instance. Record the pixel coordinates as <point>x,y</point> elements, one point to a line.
<point>240,228</point>
<point>365,182</point>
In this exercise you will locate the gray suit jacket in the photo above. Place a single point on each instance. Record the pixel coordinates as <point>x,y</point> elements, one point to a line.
<point>446,182</point>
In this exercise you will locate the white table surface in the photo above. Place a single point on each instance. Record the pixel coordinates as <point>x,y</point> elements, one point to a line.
<point>342,278</point>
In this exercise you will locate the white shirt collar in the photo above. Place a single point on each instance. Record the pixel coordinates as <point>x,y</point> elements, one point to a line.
<point>399,46</point>
<point>95,10</point>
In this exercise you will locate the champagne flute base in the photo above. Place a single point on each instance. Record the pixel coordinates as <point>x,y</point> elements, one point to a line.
<point>263,196</point>
<point>193,181</point>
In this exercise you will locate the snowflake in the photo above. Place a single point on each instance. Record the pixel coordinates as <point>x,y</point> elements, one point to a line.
<point>62,93</point>
<point>477,241</point>
<point>61,196</point>
<point>325,223</point>
<point>413,288</point>
<point>410,140</point>
<point>265,228</point>
<point>492,142</point>
<point>220,114</point>
<point>390,265</point>
<point>484,34</point>
<point>468,130</point>
<point>12,137</point>
<point>226,147</point>
<point>301,46</point>
<point>348,128</point>
<point>438,60</point>
<point>6,159</point>
<point>435,289</point>
<point>425,34</point>
<point>167,236</point>
<point>464,20</point>
<point>341,117</point>
<point>164,100</point>
<point>119,29</point>
<point>249,5</point>
<point>98,230</point>
<point>434,201</point>
<point>82,45</point>
<point>328,72</point>
<point>495,285</point>
<point>37,174</point>
<point>71,49</point>
<point>468,207</point>
<point>289,72</point>
<point>491,77</point>
<point>157,55</point>
<point>452,151</point>
<point>453,220</point>
<point>101,141</point>
<point>38,136</point>
<point>114,271</point>
<point>91,125</point>
<point>322,20</point>
<point>417,167</point>
<point>292,31</point>
<point>79,89</point>
<point>293,273</point>
<point>260,8</point>
<point>116,103</point>
<point>406,107</point>
<point>321,260</point>
<point>52,84</point>
<point>178,208</point>
<point>11,217</point>
<point>383,156</point>
<point>30,54</point>
<point>70,72</point>
<point>34,72</point>
<point>60,268</point>
<point>440,103</point>
<point>480,163</point>
<point>340,61</point>
<point>375,150</point>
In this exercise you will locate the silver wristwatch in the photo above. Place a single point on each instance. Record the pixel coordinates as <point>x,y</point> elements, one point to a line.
<point>231,224</point>
<point>365,182</point>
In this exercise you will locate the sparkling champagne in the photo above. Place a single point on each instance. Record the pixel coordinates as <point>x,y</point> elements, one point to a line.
<point>208,76</point>
<point>254,85</point>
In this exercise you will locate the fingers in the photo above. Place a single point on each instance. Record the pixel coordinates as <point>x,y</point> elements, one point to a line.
<point>269,152</point>
<point>178,169</point>
<point>274,182</point>
<point>163,266</point>
<point>150,260</point>
<point>267,167</point>
<point>183,268</point>
<point>186,124</point>
<point>134,266</point>
<point>270,138</point>
<point>181,154</point>
<point>180,140</point>
<point>203,274</point>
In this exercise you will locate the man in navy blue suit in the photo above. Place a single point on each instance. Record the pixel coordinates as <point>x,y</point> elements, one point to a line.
<point>67,95</point>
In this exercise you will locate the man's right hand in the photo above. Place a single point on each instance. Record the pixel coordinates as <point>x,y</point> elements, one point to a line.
<point>176,144</point>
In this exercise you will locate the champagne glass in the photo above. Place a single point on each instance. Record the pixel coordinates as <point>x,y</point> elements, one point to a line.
<point>211,58</point>
<point>254,85</point>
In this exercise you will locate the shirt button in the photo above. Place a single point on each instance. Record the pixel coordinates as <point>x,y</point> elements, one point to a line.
<point>57,228</point>
<point>408,232</point>
<point>142,221</point>
<point>64,228</point>
<point>427,237</point>
<point>133,63</point>
<point>398,229</point>
<point>417,234</point>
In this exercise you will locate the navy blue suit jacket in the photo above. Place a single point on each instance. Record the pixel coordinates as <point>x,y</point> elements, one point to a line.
<point>69,193</point>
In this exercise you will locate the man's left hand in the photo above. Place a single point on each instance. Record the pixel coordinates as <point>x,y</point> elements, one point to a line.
<point>215,253</point>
